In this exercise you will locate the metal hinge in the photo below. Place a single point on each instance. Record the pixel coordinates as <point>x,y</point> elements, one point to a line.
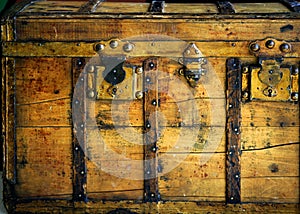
<point>271,79</point>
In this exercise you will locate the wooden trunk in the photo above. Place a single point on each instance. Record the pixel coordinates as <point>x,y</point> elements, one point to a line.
<point>151,107</point>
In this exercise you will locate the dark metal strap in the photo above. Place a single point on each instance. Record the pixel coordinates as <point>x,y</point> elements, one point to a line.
<point>157,6</point>
<point>233,130</point>
<point>225,7</point>
<point>151,101</point>
<point>90,6</point>
<point>79,140</point>
<point>293,5</point>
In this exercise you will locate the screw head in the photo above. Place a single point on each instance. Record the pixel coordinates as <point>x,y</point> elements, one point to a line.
<point>128,47</point>
<point>270,44</point>
<point>139,70</point>
<point>285,47</point>
<point>114,44</point>
<point>255,47</point>
<point>139,95</point>
<point>99,47</point>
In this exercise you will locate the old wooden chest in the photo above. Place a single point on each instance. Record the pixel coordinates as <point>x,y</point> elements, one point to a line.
<point>160,107</point>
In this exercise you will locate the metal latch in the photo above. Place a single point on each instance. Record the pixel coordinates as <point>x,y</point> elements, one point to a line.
<point>271,79</point>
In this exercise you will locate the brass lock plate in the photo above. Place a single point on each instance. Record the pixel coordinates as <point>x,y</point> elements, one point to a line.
<point>270,81</point>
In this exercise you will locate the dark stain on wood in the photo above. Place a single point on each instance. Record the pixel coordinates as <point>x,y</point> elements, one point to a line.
<point>274,168</point>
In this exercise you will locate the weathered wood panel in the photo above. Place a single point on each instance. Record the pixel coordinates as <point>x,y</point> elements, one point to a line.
<point>281,161</point>
<point>42,79</point>
<point>197,177</point>
<point>271,189</point>
<point>223,29</point>
<point>269,114</point>
<point>268,137</point>
<point>49,113</point>
<point>44,162</point>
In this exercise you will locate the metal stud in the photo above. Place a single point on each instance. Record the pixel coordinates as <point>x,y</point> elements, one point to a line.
<point>148,125</point>
<point>128,47</point>
<point>245,94</point>
<point>152,195</point>
<point>76,102</point>
<point>114,44</point>
<point>139,95</point>
<point>270,44</point>
<point>82,172</point>
<point>90,69</point>
<point>285,47</point>
<point>245,70</point>
<point>91,94</point>
<point>295,96</point>
<point>154,103</point>
<point>99,47</point>
<point>151,65</point>
<point>255,47</point>
<point>76,148</point>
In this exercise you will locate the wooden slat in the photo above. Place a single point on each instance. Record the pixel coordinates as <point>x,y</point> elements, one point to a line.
<point>280,161</point>
<point>270,114</point>
<point>271,189</point>
<point>268,137</point>
<point>44,162</point>
<point>199,177</point>
<point>42,79</point>
<point>51,113</point>
<point>102,182</point>
<point>225,29</point>
<point>179,140</point>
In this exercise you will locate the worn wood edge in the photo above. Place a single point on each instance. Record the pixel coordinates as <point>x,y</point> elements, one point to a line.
<point>160,207</point>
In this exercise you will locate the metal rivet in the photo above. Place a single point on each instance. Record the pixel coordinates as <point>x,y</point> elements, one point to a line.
<point>78,44</point>
<point>82,172</point>
<point>270,44</point>
<point>245,95</point>
<point>254,47</point>
<point>79,195</point>
<point>285,47</point>
<point>148,79</point>
<point>151,65</point>
<point>230,106</point>
<point>76,102</point>
<point>154,149</point>
<point>76,148</point>
<point>152,195</point>
<point>91,94</point>
<point>90,69</point>
<point>82,79</point>
<point>245,70</point>
<point>113,44</point>
<point>236,176</point>
<point>154,102</point>
<point>148,125</point>
<point>139,70</point>
<point>295,71</point>
<point>139,95</point>
<point>128,47</point>
<point>82,125</point>
<point>148,172</point>
<point>99,47</point>
<point>295,96</point>
<point>231,198</point>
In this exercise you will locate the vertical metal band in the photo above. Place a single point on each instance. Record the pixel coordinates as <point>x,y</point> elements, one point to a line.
<point>90,6</point>
<point>151,193</point>
<point>79,140</point>
<point>233,130</point>
<point>293,5</point>
<point>225,7</point>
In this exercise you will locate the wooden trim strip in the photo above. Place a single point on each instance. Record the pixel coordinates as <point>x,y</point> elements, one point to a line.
<point>293,5</point>
<point>151,101</point>
<point>233,130</point>
<point>225,7</point>
<point>90,6</point>
<point>79,141</point>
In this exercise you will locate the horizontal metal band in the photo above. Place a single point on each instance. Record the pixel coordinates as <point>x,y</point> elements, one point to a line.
<point>132,49</point>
